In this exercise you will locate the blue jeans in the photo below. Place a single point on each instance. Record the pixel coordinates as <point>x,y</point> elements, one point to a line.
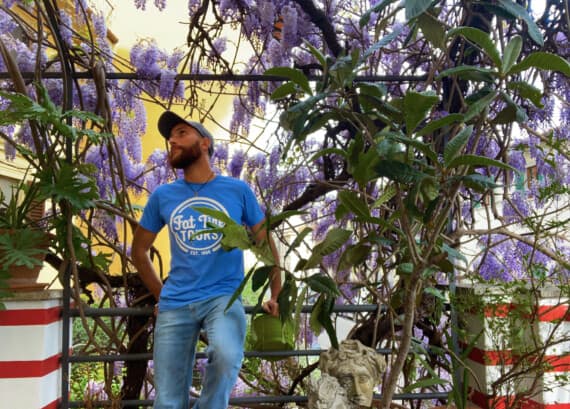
<point>175,337</point>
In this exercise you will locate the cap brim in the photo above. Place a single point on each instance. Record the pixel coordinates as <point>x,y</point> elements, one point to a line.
<point>167,121</point>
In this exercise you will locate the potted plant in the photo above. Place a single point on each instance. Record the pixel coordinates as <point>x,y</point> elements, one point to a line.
<point>23,242</point>
<point>53,176</point>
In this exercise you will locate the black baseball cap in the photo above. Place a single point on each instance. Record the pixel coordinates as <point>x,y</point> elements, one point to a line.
<point>169,120</point>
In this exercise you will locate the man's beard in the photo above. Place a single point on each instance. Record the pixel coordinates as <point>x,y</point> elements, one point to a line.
<point>181,158</point>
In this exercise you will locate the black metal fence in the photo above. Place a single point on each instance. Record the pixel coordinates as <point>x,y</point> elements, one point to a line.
<point>269,401</point>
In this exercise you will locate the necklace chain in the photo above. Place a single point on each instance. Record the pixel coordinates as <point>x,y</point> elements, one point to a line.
<point>202,185</point>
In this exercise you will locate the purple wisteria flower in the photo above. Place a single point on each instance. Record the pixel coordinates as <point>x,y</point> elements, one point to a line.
<point>289,32</point>
<point>236,163</point>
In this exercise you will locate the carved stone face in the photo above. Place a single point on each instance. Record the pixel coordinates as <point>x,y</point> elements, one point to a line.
<point>358,383</point>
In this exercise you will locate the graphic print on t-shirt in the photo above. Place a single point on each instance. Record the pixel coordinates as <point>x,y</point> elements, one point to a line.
<point>185,222</point>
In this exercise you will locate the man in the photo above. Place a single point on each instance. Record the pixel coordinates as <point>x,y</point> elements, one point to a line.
<point>203,276</point>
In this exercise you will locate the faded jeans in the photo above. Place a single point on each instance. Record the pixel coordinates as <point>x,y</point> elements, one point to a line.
<point>175,337</point>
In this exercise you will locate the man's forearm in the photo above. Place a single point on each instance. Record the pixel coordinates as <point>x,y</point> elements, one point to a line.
<point>148,274</point>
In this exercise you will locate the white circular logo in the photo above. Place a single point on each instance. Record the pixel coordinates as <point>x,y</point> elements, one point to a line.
<point>186,223</point>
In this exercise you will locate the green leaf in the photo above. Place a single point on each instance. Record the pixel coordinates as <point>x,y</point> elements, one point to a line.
<point>316,53</point>
<point>440,123</point>
<point>235,236</point>
<point>298,240</point>
<point>512,53</point>
<point>426,383</point>
<point>260,277</point>
<point>435,292</point>
<point>353,256</point>
<point>239,290</point>
<point>518,11</point>
<point>456,144</point>
<point>388,193</point>
<point>405,268</point>
<point>376,9</point>
<point>354,203</point>
<point>383,42</point>
<point>69,184</point>
<point>479,106</point>
<point>416,7</point>
<point>292,74</point>
<point>335,240</point>
<point>284,90</point>
<point>471,73</point>
<point>416,107</point>
<point>399,172</point>
<point>324,318</point>
<point>299,309</point>
<point>433,29</point>
<point>22,247</point>
<point>314,322</point>
<point>421,146</point>
<point>527,91</point>
<point>481,39</point>
<point>216,214</point>
<point>322,284</point>
<point>453,253</point>
<point>478,182</point>
<point>544,61</point>
<point>479,161</point>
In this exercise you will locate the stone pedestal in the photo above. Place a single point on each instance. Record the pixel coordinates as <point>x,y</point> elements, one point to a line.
<point>30,350</point>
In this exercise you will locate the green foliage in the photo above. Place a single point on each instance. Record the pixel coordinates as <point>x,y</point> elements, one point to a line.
<point>66,184</point>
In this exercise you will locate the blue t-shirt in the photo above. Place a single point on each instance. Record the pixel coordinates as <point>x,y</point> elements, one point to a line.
<point>200,268</point>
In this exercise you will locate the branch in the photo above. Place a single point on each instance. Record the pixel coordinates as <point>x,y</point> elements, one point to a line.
<point>319,18</point>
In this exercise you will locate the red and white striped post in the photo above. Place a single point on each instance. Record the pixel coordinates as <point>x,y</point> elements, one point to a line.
<point>492,355</point>
<point>30,350</point>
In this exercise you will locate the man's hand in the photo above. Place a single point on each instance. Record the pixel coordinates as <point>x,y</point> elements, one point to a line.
<point>271,307</point>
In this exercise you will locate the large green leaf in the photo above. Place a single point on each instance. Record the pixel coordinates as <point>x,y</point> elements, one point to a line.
<point>518,11</point>
<point>376,9</point>
<point>477,182</point>
<point>456,144</point>
<point>419,145</point>
<point>237,293</point>
<point>383,42</point>
<point>479,105</point>
<point>471,73</point>
<point>433,29</point>
<point>544,61</point>
<point>416,7</point>
<point>283,91</point>
<point>416,107</point>
<point>353,256</point>
<point>399,172</point>
<point>479,161</point>
<point>440,123</point>
<point>298,240</point>
<point>512,53</point>
<point>388,193</point>
<point>481,39</point>
<point>322,284</point>
<point>527,91</point>
<point>334,240</point>
<point>354,203</point>
<point>22,247</point>
<point>292,74</point>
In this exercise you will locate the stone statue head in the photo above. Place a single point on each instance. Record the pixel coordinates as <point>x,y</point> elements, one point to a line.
<point>326,393</point>
<point>357,368</point>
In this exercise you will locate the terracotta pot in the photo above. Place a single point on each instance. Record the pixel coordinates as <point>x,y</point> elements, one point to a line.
<point>23,278</point>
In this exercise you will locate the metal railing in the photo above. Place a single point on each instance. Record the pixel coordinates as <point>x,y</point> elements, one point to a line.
<point>68,359</point>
